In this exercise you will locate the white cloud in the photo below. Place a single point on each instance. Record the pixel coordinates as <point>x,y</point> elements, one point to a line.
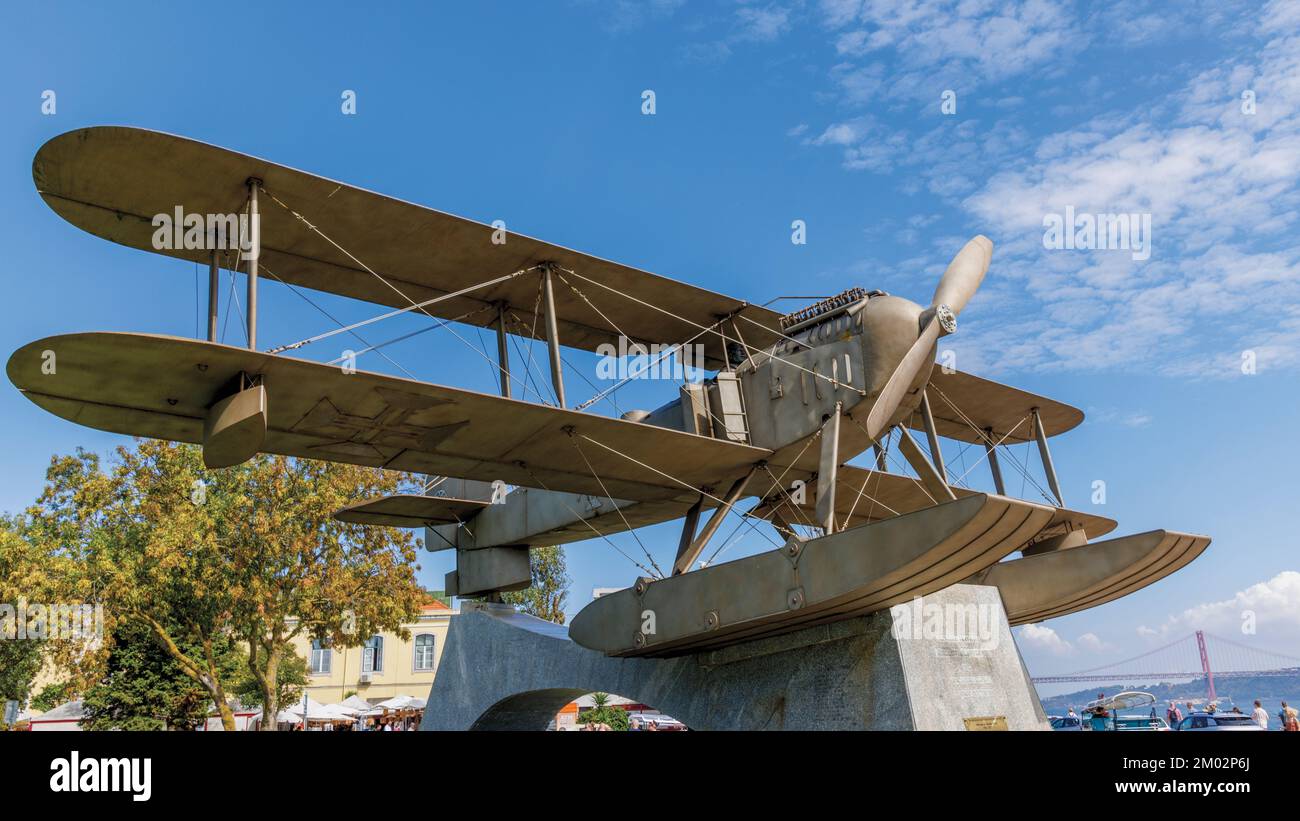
<point>1094,643</point>
<point>1221,186</point>
<point>1043,639</point>
<point>761,24</point>
<point>1274,606</point>
<point>1118,416</point>
<point>628,15</point>
<point>1036,638</point>
<point>749,23</point>
<point>938,44</point>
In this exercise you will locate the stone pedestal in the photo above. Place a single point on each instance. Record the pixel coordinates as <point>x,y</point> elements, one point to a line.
<point>945,663</point>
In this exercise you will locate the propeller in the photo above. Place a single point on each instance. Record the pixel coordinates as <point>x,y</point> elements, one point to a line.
<point>959,283</point>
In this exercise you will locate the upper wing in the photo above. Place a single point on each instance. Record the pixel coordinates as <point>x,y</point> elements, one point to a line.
<point>961,403</point>
<point>112,181</point>
<point>161,387</point>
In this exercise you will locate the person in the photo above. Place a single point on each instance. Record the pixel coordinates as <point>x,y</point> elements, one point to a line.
<point>1260,715</point>
<point>634,725</point>
<point>1177,716</point>
<point>1290,720</point>
<point>1099,715</point>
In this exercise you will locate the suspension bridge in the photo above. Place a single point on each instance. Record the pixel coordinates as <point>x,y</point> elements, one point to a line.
<point>1193,656</point>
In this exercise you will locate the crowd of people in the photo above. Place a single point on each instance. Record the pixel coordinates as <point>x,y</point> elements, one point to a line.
<point>1098,716</point>
<point>1288,717</point>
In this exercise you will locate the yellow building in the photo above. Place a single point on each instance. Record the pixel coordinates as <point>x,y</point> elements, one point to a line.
<point>385,666</point>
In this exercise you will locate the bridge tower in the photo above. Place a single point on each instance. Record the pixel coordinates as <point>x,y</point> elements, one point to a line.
<point>1205,662</point>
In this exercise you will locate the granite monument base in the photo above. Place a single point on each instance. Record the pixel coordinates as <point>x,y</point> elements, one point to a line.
<point>947,662</point>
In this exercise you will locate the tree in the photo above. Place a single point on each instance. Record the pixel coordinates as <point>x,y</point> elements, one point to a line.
<point>144,687</point>
<point>550,589</point>
<point>52,695</point>
<point>20,659</point>
<point>250,553</point>
<point>291,678</point>
<point>605,713</point>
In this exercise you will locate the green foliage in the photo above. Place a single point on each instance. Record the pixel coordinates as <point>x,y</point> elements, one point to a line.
<point>20,659</point>
<point>144,688</point>
<point>250,553</point>
<point>52,695</point>
<point>605,713</point>
<point>291,678</point>
<point>550,589</point>
<point>438,595</point>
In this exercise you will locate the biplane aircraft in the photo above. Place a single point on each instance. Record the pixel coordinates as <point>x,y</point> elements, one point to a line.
<point>792,398</point>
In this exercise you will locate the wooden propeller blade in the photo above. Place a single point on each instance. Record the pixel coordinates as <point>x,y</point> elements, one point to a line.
<point>891,396</point>
<point>964,274</point>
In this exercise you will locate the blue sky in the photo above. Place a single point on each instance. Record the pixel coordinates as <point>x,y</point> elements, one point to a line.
<point>766,113</point>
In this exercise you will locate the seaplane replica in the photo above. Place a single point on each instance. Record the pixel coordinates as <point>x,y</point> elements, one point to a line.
<point>790,399</point>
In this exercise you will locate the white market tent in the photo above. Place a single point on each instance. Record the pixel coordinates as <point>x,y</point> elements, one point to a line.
<point>315,712</point>
<point>402,703</point>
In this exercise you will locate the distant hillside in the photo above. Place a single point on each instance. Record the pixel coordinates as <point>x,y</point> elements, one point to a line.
<point>1242,690</point>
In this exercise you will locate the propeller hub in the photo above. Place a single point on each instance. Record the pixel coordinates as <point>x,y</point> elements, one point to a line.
<point>947,319</point>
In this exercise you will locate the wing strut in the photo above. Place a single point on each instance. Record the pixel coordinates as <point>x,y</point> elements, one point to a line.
<point>1046,456</point>
<point>928,473</point>
<point>932,436</point>
<point>214,276</point>
<point>687,558</point>
<point>827,469</point>
<point>991,448</point>
<point>553,334</point>
<point>255,246</point>
<point>503,351</point>
<point>690,526</point>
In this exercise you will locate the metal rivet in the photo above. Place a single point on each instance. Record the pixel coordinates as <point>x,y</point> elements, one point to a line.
<point>794,599</point>
<point>711,620</point>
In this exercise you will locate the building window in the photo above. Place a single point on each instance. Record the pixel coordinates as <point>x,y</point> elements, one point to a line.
<point>320,658</point>
<point>424,653</point>
<point>372,656</point>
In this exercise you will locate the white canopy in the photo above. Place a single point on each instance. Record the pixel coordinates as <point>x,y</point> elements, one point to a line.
<point>315,712</point>
<point>356,702</point>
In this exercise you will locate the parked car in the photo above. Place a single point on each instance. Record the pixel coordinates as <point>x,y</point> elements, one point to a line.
<point>1218,721</point>
<point>1066,723</point>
